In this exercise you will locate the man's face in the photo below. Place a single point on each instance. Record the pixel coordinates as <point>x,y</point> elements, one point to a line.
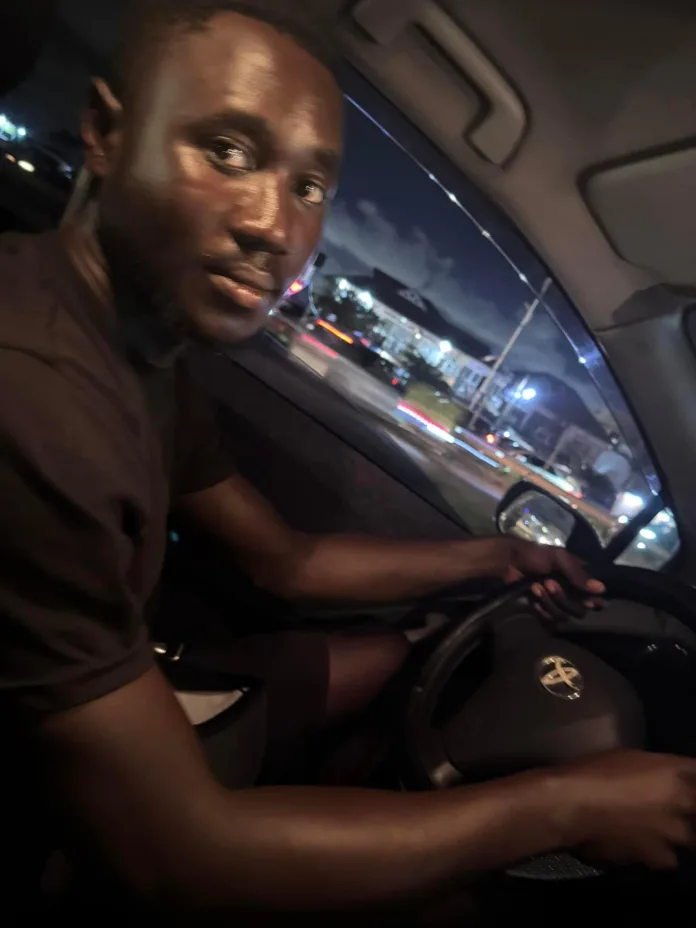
<point>219,186</point>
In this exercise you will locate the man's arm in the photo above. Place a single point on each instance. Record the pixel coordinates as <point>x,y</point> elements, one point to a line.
<point>301,567</point>
<point>127,776</point>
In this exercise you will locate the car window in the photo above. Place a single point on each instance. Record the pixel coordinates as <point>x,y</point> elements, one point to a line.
<point>655,545</point>
<point>429,315</point>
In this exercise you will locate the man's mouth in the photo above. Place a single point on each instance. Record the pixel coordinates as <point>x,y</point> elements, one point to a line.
<point>246,287</point>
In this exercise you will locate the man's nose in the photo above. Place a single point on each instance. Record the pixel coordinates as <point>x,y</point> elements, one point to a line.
<point>261,221</point>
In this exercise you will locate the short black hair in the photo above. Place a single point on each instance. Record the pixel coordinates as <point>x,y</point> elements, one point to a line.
<point>305,21</point>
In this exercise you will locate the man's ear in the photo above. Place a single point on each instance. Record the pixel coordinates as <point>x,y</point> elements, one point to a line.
<point>101,129</point>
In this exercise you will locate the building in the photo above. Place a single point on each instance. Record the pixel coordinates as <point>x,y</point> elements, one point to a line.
<point>409,321</point>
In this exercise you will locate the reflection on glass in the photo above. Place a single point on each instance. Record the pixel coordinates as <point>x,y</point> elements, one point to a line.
<point>534,517</point>
<point>655,545</point>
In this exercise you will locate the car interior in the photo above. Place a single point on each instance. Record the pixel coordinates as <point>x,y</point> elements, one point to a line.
<point>563,136</point>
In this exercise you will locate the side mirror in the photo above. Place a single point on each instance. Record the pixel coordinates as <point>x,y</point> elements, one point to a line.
<point>531,513</point>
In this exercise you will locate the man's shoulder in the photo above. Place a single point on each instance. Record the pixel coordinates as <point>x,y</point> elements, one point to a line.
<point>41,310</point>
<point>25,294</point>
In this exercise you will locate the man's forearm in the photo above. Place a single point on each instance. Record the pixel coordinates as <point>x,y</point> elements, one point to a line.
<point>129,776</point>
<point>332,851</point>
<point>298,566</point>
<point>369,570</point>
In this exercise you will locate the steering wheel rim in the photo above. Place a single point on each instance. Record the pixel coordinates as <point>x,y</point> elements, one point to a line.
<point>428,765</point>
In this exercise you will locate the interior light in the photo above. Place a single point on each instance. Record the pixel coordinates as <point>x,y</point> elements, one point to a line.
<point>11,158</point>
<point>21,132</point>
<point>453,198</point>
<point>343,284</point>
<point>296,287</point>
<point>623,520</point>
<point>26,166</point>
<point>523,278</point>
<point>641,546</point>
<point>445,347</point>
<point>486,234</point>
<point>648,534</point>
<point>528,394</point>
<point>582,360</point>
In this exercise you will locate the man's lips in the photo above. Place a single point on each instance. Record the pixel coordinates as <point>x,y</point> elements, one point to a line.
<point>248,288</point>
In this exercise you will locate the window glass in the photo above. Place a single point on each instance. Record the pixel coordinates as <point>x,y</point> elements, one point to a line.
<point>419,317</point>
<point>655,545</point>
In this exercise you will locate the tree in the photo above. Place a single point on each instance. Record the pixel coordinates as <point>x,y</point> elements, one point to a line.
<point>422,371</point>
<point>349,313</point>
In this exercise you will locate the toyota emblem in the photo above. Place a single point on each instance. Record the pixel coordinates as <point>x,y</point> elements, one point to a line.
<point>560,677</point>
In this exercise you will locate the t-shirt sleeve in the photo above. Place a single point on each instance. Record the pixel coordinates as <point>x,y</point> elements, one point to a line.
<point>71,626</point>
<point>203,458</point>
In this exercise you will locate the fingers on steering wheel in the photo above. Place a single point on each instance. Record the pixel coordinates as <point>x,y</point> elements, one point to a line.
<point>578,576</point>
<point>558,604</point>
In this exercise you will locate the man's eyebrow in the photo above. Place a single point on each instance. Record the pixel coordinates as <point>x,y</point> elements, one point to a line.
<point>328,160</point>
<point>256,126</point>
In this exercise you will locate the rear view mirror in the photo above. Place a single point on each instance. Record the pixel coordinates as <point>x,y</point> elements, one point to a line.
<point>530,513</point>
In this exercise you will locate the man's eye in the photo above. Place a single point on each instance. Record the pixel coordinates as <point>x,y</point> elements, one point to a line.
<point>230,156</point>
<point>311,192</point>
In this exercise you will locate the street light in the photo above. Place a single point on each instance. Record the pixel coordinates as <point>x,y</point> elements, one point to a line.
<point>366,299</point>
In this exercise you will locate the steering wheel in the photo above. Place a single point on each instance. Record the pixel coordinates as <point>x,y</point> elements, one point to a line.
<point>541,699</point>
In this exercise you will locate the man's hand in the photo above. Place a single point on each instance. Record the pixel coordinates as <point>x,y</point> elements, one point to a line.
<point>519,559</point>
<point>333,569</point>
<point>631,807</point>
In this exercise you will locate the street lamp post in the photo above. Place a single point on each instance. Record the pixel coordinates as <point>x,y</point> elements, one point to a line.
<point>479,400</point>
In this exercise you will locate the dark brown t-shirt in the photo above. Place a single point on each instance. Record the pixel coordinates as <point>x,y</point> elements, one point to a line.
<point>100,428</point>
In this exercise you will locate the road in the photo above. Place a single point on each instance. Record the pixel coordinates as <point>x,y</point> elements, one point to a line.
<point>471,475</point>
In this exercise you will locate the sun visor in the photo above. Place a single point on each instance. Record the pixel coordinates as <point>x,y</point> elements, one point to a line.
<point>647,209</point>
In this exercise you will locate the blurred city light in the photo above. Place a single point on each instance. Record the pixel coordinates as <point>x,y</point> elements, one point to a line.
<point>26,166</point>
<point>366,299</point>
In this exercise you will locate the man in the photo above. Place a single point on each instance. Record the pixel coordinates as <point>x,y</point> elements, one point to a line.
<point>215,166</point>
